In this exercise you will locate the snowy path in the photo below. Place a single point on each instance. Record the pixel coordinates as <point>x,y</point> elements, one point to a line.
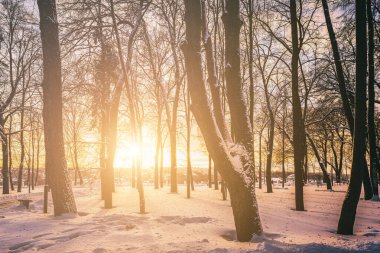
<point>176,224</point>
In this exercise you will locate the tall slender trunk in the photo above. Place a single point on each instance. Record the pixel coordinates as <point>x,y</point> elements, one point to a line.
<point>57,174</point>
<point>173,158</point>
<point>162,166</point>
<point>104,107</point>
<point>270,139</point>
<point>22,144</point>
<point>341,154</point>
<point>140,181</point>
<point>4,147</point>
<point>269,156</point>
<point>10,154</point>
<point>260,163</point>
<point>283,144</point>
<point>159,140</point>
<point>306,166</point>
<point>133,173</point>
<point>29,165</point>
<point>76,163</point>
<point>188,147</point>
<point>348,213</point>
<point>33,154</point>
<point>298,124</point>
<point>37,157</point>
<point>374,160</point>
<point>251,83</point>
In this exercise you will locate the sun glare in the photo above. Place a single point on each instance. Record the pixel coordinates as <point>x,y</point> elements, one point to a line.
<point>128,150</point>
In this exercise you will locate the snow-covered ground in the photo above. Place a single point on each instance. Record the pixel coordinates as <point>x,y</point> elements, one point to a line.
<point>176,224</point>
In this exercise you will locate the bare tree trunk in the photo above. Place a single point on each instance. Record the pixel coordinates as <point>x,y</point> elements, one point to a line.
<point>173,158</point>
<point>159,140</point>
<point>243,200</point>
<point>348,213</point>
<point>4,147</point>
<point>216,180</point>
<point>33,153</point>
<point>374,160</point>
<point>298,123</point>
<point>326,177</point>
<point>28,165</point>
<point>224,190</point>
<point>10,154</point>
<point>76,163</point>
<point>283,143</point>
<point>140,181</point>
<point>260,163</point>
<point>37,156</point>
<point>212,76</point>
<point>343,92</point>
<point>133,174</point>
<point>239,117</point>
<point>22,144</point>
<point>306,166</point>
<point>251,83</point>
<point>209,171</point>
<point>271,137</point>
<point>104,107</point>
<point>58,178</point>
<point>188,147</point>
<point>162,166</point>
<point>269,156</point>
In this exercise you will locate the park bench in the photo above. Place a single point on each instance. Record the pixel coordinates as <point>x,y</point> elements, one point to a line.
<point>25,202</point>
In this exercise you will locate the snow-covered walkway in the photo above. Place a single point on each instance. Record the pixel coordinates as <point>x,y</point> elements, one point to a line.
<point>176,224</point>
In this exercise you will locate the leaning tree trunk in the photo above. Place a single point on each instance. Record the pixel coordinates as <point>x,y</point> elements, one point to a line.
<point>298,124</point>
<point>350,203</point>
<point>242,192</point>
<point>55,162</point>
<point>239,117</point>
<point>326,177</point>
<point>343,92</point>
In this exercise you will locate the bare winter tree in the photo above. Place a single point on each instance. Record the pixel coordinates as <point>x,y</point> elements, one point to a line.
<point>233,159</point>
<point>299,138</point>
<point>343,90</point>
<point>56,167</point>
<point>348,213</point>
